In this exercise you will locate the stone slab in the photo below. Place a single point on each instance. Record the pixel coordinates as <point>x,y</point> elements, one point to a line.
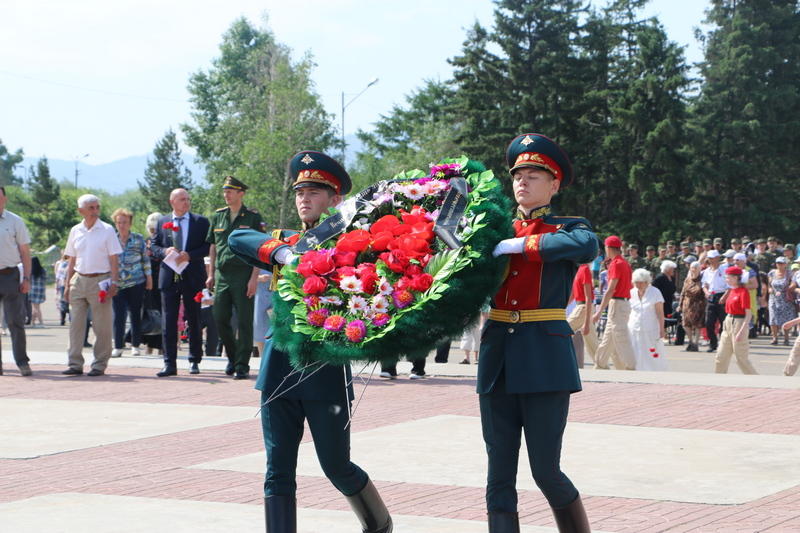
<point>31,428</point>
<point>82,513</point>
<point>693,466</point>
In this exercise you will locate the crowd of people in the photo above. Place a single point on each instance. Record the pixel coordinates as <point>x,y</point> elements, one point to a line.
<point>694,293</point>
<point>148,292</point>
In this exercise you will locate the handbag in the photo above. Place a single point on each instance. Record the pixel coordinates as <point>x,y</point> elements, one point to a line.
<point>151,322</point>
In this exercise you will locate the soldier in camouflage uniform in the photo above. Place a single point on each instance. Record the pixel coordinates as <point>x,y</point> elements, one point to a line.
<point>763,258</point>
<point>634,259</point>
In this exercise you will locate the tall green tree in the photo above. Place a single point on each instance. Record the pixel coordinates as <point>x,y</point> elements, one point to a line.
<point>745,123</point>
<point>164,173</point>
<point>410,136</point>
<point>48,216</point>
<point>253,109</point>
<point>8,161</point>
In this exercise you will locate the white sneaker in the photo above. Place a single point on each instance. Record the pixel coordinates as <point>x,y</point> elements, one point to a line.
<point>135,351</point>
<point>116,352</point>
<point>415,376</point>
<point>385,374</point>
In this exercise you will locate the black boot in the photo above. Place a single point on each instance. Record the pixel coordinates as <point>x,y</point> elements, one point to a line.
<point>572,518</point>
<point>280,514</point>
<point>503,522</point>
<point>370,510</point>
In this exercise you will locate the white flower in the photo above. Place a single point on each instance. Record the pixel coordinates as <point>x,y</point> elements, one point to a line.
<point>384,287</point>
<point>434,187</point>
<point>351,284</point>
<point>332,300</point>
<point>412,191</point>
<point>380,304</point>
<point>357,304</point>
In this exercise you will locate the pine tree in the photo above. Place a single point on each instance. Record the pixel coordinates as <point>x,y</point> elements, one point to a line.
<point>164,173</point>
<point>8,161</point>
<point>746,121</point>
<point>47,214</point>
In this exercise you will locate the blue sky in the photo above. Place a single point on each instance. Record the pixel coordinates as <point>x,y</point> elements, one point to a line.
<point>109,78</point>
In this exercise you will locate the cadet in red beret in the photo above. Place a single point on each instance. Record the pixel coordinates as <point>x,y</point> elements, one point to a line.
<point>616,341</point>
<point>733,340</point>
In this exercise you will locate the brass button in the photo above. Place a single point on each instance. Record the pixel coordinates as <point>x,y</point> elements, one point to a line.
<point>511,330</point>
<point>513,302</point>
<point>524,224</point>
<point>514,316</point>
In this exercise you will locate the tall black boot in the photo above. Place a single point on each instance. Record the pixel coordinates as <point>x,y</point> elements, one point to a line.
<point>370,510</point>
<point>572,518</point>
<point>280,514</point>
<point>500,522</point>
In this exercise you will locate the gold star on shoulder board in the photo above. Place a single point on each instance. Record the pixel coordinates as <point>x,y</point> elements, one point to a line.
<point>527,140</point>
<point>307,159</point>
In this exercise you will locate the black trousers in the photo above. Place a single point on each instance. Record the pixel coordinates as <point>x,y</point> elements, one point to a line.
<point>170,302</point>
<point>715,312</point>
<point>543,417</point>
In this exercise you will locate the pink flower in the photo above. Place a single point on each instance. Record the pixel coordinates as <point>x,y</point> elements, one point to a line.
<point>317,317</point>
<point>355,331</point>
<point>311,301</point>
<point>334,323</point>
<point>402,298</point>
<point>380,319</point>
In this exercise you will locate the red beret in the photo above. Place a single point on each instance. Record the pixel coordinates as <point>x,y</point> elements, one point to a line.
<point>613,242</point>
<point>734,271</point>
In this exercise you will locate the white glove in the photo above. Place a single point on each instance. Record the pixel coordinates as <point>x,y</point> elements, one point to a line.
<point>509,246</point>
<point>284,256</point>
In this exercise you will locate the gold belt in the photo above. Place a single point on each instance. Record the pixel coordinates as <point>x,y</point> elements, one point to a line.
<point>527,315</point>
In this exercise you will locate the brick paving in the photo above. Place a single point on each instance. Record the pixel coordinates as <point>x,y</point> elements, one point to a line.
<point>159,466</point>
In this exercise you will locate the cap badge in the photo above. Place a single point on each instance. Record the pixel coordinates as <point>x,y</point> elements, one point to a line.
<point>307,159</point>
<point>527,140</point>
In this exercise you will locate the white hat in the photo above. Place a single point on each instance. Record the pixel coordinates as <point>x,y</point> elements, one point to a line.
<point>711,254</point>
<point>689,259</point>
<point>730,253</point>
<point>740,257</point>
<point>781,259</point>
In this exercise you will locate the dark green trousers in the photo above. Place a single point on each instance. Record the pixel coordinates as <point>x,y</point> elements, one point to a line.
<point>238,344</point>
<point>543,417</point>
<point>282,424</point>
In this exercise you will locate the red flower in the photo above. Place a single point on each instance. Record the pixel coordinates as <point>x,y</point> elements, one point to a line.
<point>363,268</point>
<point>423,230</point>
<point>413,270</point>
<point>198,297</point>
<point>171,225</point>
<point>381,241</point>
<point>422,282</point>
<point>305,269</point>
<point>403,283</point>
<point>385,223</point>
<point>652,349</point>
<point>412,246</point>
<point>396,260</point>
<point>354,241</point>
<point>314,285</point>
<point>416,216</point>
<point>317,317</point>
<point>101,296</point>
<point>323,264</point>
<point>344,258</point>
<point>402,229</point>
<point>655,355</point>
<point>369,280</point>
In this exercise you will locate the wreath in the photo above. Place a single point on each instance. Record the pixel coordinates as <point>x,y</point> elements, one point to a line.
<point>399,268</point>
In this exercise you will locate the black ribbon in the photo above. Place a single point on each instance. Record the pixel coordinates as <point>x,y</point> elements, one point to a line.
<point>455,202</point>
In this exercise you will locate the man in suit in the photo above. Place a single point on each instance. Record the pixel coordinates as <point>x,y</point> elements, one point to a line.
<point>527,368</point>
<point>183,234</point>
<point>324,396</point>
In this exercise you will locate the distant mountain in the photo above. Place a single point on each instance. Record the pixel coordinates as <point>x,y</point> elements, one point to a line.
<point>123,174</point>
<point>114,177</point>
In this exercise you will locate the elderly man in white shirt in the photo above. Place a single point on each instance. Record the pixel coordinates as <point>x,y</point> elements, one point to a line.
<point>14,250</point>
<point>92,275</point>
<point>714,286</point>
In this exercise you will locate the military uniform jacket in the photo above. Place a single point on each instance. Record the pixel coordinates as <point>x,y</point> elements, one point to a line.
<point>537,356</point>
<point>637,262</point>
<point>221,227</point>
<point>326,383</point>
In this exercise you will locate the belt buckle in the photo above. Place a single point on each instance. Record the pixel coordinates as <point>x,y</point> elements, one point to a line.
<point>514,316</point>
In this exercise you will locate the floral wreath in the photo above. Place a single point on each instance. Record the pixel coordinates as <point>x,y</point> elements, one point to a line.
<point>397,281</point>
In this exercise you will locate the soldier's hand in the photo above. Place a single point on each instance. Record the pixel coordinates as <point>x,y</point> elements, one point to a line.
<point>284,256</point>
<point>509,246</point>
<point>210,283</point>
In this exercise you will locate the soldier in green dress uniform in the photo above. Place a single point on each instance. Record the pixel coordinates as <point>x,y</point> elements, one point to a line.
<point>763,257</point>
<point>234,282</point>
<point>321,396</point>
<point>527,368</point>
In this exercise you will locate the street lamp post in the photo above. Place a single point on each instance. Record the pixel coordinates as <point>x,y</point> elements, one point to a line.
<point>78,158</point>
<point>344,106</point>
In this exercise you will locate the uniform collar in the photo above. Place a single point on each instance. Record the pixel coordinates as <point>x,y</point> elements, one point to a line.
<point>536,212</point>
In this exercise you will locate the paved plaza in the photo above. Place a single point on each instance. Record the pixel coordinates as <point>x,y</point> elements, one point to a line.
<point>129,452</point>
